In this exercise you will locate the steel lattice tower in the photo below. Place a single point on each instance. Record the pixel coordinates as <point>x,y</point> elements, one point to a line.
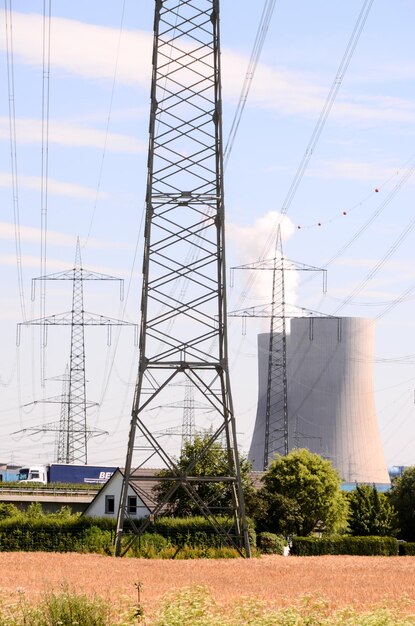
<point>276,417</point>
<point>183,307</point>
<point>73,433</point>
<point>276,411</point>
<point>188,430</point>
<point>61,447</point>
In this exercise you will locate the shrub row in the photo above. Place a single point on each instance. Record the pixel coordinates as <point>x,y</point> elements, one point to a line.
<point>195,531</point>
<point>344,544</point>
<point>407,548</point>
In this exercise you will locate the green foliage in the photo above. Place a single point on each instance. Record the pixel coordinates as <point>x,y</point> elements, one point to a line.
<point>213,462</point>
<point>269,543</point>
<point>301,491</point>
<point>149,546</point>
<point>8,510</point>
<point>407,548</point>
<point>97,540</point>
<point>57,532</point>
<point>18,484</point>
<point>402,498</point>
<point>64,608</point>
<point>34,511</point>
<point>195,607</point>
<point>343,544</point>
<point>68,608</point>
<point>370,513</point>
<point>187,607</point>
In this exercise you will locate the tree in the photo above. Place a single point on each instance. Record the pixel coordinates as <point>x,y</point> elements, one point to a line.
<point>214,462</point>
<point>402,497</point>
<point>302,491</point>
<point>370,513</point>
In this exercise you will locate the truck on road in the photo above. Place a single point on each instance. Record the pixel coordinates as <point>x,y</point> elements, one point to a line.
<point>66,473</point>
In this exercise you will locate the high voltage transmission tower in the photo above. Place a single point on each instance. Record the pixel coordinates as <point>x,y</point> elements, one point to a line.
<point>276,411</point>
<point>72,431</point>
<point>62,429</point>
<point>183,307</point>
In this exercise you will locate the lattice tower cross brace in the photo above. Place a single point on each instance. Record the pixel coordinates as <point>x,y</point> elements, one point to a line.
<point>183,307</point>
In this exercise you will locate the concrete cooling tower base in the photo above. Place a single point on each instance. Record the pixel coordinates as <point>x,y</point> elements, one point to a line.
<point>331,408</point>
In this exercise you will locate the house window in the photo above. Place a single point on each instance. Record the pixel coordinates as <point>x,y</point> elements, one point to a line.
<point>109,504</point>
<point>132,505</point>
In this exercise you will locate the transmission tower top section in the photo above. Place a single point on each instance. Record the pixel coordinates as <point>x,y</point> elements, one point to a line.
<point>184,188</point>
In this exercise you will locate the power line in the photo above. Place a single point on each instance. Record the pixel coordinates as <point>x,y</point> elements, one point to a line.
<point>8,13</point>
<point>44,169</point>
<point>101,169</point>
<point>253,62</point>
<point>403,235</point>
<point>315,136</point>
<point>325,112</point>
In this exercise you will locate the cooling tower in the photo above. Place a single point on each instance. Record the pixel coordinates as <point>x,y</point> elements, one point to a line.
<point>331,408</point>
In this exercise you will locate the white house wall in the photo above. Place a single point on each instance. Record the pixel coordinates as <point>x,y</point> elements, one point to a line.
<point>113,488</point>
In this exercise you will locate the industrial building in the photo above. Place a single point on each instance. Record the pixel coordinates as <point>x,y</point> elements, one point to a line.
<point>330,398</point>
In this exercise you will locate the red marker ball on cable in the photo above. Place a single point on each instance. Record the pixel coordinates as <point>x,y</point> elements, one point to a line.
<point>344,212</point>
<point>376,190</point>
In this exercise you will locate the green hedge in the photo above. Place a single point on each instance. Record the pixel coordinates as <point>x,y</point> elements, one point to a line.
<point>362,546</point>
<point>194,531</point>
<point>407,548</point>
<point>269,543</point>
<point>51,534</point>
<point>72,533</point>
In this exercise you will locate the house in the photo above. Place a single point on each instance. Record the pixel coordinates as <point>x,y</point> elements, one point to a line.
<point>107,500</point>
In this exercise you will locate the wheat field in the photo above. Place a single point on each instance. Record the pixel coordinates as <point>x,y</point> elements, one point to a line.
<point>341,581</point>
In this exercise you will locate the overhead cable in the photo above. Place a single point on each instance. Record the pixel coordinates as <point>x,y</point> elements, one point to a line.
<point>328,105</point>
<point>253,62</point>
<point>325,112</point>
<point>44,170</point>
<point>8,13</point>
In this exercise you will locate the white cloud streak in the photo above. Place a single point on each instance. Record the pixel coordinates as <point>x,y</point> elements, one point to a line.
<point>55,187</point>
<point>274,88</point>
<point>353,170</point>
<point>30,234</point>
<point>71,135</point>
<point>250,241</point>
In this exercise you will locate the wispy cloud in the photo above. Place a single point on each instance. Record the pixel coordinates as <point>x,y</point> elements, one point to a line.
<point>30,131</point>
<point>275,88</point>
<point>30,234</point>
<point>353,170</point>
<point>85,50</point>
<point>250,242</point>
<point>55,187</point>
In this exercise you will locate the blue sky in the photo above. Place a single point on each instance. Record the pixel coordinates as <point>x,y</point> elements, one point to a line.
<point>99,108</point>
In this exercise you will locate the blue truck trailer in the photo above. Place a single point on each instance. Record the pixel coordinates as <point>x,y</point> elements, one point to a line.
<point>66,473</point>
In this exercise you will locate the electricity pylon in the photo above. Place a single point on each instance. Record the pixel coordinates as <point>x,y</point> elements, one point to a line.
<point>183,306</point>
<point>276,416</point>
<point>62,428</point>
<point>74,436</point>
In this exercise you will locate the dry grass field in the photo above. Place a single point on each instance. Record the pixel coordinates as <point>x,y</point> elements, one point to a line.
<point>360,582</point>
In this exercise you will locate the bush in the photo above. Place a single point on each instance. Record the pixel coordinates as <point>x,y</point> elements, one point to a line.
<point>269,543</point>
<point>407,548</point>
<point>344,544</point>
<point>148,546</point>
<point>195,531</point>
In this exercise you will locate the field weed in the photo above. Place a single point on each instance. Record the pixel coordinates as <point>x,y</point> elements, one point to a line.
<point>195,607</point>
